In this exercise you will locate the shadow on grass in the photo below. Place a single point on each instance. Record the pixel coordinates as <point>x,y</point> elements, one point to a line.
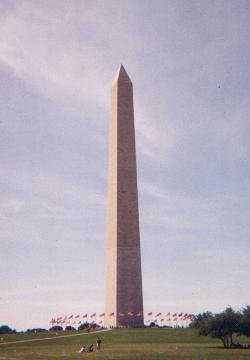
<point>222,348</point>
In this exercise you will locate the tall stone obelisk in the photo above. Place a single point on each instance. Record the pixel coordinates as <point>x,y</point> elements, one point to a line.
<point>124,304</point>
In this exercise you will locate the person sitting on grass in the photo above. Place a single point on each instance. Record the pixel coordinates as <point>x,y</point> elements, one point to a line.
<point>83,349</point>
<point>90,348</point>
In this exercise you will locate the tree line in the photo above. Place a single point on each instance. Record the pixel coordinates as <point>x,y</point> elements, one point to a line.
<point>4,329</point>
<point>225,326</point>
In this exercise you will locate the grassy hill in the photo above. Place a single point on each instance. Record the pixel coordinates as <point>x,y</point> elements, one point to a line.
<point>125,344</point>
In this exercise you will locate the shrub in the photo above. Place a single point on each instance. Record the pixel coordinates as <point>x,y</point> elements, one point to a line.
<point>4,329</point>
<point>56,328</point>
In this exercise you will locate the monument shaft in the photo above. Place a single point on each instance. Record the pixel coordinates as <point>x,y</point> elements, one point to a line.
<point>124,304</point>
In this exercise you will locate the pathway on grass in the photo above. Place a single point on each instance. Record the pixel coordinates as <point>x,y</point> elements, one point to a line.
<point>53,338</point>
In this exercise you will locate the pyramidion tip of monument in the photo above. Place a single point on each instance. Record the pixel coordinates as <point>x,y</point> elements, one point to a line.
<point>121,75</point>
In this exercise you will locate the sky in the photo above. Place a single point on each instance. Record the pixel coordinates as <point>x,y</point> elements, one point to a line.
<point>189,64</point>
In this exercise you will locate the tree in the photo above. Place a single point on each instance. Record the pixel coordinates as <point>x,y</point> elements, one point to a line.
<point>198,319</point>
<point>69,328</point>
<point>214,327</point>
<point>221,326</point>
<point>87,325</point>
<point>56,328</point>
<point>4,329</point>
<point>84,326</point>
<point>36,330</point>
<point>244,324</point>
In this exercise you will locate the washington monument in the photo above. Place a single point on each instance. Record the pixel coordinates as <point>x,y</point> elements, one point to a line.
<point>124,304</point>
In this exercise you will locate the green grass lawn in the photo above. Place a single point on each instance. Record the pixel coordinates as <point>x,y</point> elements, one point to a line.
<point>148,344</point>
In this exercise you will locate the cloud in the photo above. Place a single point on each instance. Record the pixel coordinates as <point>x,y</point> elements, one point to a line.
<point>31,46</point>
<point>152,139</point>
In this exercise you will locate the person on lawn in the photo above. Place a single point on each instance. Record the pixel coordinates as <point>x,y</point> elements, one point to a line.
<point>98,344</point>
<point>83,349</point>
